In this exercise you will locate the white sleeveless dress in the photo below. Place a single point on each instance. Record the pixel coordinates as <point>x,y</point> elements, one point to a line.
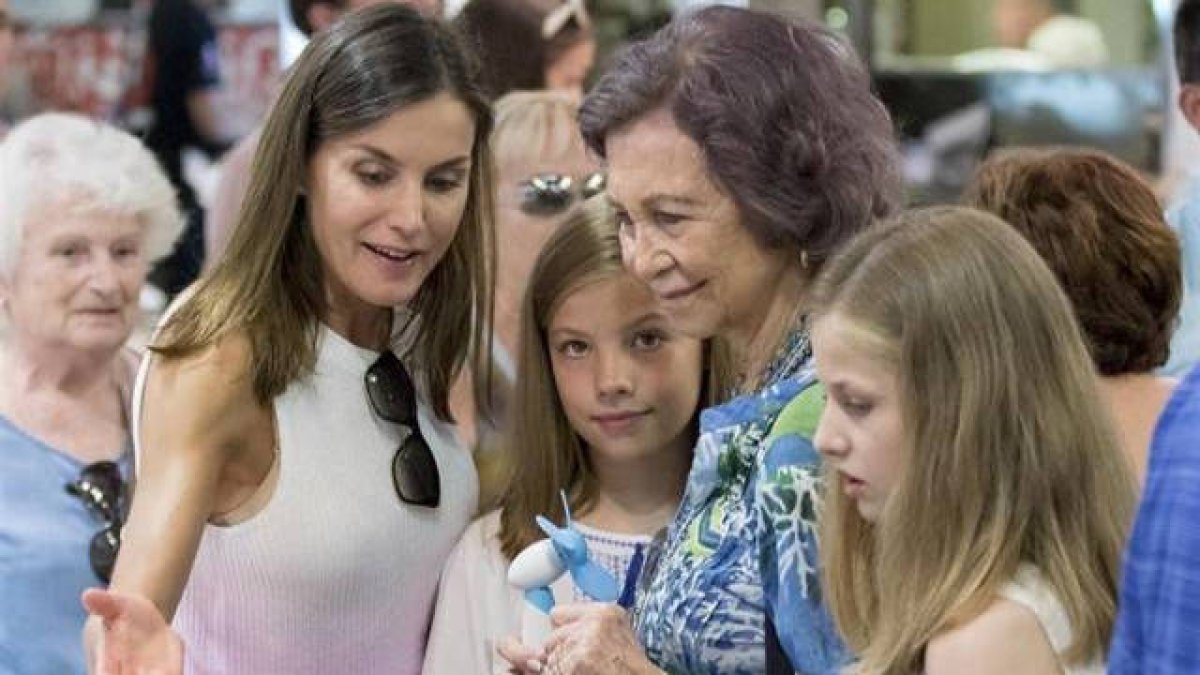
<point>334,574</point>
<point>1029,588</point>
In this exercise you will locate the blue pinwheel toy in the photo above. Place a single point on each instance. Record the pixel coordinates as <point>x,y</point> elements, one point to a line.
<point>565,551</point>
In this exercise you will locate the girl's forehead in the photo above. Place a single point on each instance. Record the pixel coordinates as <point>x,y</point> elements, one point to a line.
<point>615,297</point>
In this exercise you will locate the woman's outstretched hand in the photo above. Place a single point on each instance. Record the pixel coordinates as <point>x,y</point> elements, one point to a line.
<point>126,635</point>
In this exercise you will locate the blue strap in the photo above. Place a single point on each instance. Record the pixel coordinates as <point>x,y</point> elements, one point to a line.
<point>629,592</point>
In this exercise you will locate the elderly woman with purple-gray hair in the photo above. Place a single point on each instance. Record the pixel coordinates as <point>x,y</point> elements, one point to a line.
<point>742,151</point>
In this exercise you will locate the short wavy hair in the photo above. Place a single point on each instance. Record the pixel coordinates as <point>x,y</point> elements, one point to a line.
<point>783,112</point>
<point>71,163</point>
<point>1100,227</point>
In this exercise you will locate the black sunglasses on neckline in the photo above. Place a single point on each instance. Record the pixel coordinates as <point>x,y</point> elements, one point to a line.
<point>103,491</point>
<point>393,398</point>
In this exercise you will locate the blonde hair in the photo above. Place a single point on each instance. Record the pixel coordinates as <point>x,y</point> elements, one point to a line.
<point>269,284</point>
<point>1014,459</point>
<point>545,454</point>
<point>533,125</point>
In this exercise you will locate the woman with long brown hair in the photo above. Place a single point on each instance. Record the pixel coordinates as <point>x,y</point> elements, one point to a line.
<point>299,479</point>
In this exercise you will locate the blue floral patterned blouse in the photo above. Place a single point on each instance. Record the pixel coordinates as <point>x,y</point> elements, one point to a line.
<point>744,543</point>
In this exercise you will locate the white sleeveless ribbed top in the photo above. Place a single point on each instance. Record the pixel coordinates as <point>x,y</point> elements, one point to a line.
<point>1029,588</point>
<point>334,574</point>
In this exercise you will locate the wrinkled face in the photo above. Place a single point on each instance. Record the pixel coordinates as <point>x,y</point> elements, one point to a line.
<point>683,236</point>
<point>570,70</point>
<point>629,386</point>
<point>76,281</point>
<point>861,434</point>
<point>386,202</point>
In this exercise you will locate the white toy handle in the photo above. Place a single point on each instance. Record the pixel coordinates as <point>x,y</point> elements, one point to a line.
<point>535,627</point>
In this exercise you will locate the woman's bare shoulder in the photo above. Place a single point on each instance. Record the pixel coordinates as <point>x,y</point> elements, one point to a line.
<point>1005,638</point>
<point>208,394</point>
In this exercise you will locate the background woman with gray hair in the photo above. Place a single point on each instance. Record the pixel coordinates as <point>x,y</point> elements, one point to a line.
<point>84,211</point>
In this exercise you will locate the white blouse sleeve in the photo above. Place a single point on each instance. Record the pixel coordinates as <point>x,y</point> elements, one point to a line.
<point>475,606</point>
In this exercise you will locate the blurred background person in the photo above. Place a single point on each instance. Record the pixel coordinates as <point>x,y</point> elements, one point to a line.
<point>183,69</point>
<point>1045,29</point>
<point>530,44</point>
<point>293,34</point>
<point>1160,591</point>
<point>84,210</point>
<point>1184,214</point>
<point>6,49</point>
<point>1037,35</point>
<point>543,172</point>
<point>1101,229</point>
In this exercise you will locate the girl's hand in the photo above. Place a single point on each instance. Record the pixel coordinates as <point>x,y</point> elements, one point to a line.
<point>126,635</point>
<point>594,639</point>
<point>522,659</point>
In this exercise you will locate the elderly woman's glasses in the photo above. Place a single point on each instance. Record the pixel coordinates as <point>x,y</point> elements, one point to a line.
<point>550,194</point>
<point>393,398</point>
<point>103,491</point>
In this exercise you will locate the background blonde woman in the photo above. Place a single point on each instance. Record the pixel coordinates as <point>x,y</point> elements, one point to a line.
<point>978,499</point>
<point>543,173</point>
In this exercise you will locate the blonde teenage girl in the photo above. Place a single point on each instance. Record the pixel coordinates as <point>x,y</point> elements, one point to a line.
<point>978,498</point>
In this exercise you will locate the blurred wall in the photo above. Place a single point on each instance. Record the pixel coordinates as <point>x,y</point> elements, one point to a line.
<point>810,9</point>
<point>945,27</point>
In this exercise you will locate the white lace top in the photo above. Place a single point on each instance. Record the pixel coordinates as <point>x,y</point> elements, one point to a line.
<point>476,607</point>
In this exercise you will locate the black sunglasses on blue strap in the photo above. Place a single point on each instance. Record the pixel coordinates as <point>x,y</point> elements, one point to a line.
<point>103,491</point>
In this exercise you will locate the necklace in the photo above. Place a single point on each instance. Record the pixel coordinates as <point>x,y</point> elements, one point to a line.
<point>794,351</point>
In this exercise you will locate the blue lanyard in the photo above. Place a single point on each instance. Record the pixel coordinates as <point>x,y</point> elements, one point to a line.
<point>629,592</point>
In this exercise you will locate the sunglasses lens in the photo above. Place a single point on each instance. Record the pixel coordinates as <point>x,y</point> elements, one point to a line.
<point>390,391</point>
<point>415,473</point>
<point>547,195</point>
<point>102,553</point>
<point>594,185</point>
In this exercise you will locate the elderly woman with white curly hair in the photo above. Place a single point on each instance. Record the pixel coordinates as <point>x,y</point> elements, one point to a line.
<point>84,211</point>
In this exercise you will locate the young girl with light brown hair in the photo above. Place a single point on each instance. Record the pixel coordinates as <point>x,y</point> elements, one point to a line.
<point>604,409</point>
<point>978,499</point>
